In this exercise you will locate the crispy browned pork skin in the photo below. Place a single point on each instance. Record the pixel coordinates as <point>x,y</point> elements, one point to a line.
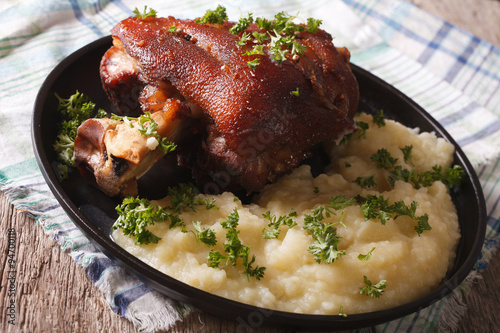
<point>251,126</point>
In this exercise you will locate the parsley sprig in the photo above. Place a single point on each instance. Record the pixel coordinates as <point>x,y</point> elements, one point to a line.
<point>451,177</point>
<point>235,250</point>
<point>204,235</point>
<point>284,22</point>
<point>366,182</point>
<point>362,127</point>
<point>325,245</point>
<point>378,207</point>
<point>145,13</point>
<point>407,156</point>
<point>135,214</point>
<point>216,16</point>
<point>275,222</point>
<point>326,241</point>
<point>383,159</point>
<point>278,35</point>
<point>242,24</point>
<point>373,290</point>
<point>185,197</point>
<point>74,110</point>
<point>341,312</point>
<point>281,34</point>
<point>379,119</point>
<point>366,257</point>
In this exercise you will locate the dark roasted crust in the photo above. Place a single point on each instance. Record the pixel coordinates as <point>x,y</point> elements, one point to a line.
<point>210,70</point>
<point>250,128</point>
<point>122,87</point>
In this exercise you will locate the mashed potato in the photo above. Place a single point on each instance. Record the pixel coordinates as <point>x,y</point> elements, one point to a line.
<point>411,264</point>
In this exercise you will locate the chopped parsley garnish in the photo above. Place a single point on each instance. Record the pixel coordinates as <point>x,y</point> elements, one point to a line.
<point>217,16</point>
<point>176,221</point>
<point>366,182</point>
<point>379,119</point>
<point>359,134</point>
<point>295,92</point>
<point>242,24</point>
<point>325,246</point>
<point>373,290</point>
<point>75,110</point>
<point>77,107</point>
<point>264,23</point>
<point>378,207</point>
<point>336,203</point>
<point>257,49</point>
<point>184,197</point>
<point>278,35</point>
<point>383,159</point>
<point>260,37</point>
<point>451,177</point>
<point>145,13</point>
<point>235,250</point>
<point>276,222</point>
<point>313,25</point>
<point>135,214</point>
<point>283,23</point>
<point>326,241</point>
<point>408,158</point>
<point>280,46</point>
<point>297,48</point>
<point>253,63</point>
<point>244,39</point>
<point>341,312</point>
<point>147,127</point>
<point>373,207</point>
<point>362,128</point>
<point>366,257</point>
<point>206,236</point>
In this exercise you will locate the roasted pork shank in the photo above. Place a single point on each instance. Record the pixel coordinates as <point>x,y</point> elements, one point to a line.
<point>237,126</point>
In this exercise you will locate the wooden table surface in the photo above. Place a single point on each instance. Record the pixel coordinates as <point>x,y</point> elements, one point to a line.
<point>55,295</point>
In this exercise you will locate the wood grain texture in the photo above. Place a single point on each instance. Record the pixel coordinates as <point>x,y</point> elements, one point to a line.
<point>53,294</point>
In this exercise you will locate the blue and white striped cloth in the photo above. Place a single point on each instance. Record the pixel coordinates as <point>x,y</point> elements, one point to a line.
<point>451,73</point>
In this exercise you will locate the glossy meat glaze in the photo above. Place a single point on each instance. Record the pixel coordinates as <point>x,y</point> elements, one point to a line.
<point>237,126</point>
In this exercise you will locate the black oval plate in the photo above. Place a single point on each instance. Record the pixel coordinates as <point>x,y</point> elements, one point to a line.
<point>94,213</point>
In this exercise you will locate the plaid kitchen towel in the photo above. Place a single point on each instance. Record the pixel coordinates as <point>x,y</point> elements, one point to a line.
<point>449,72</point>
